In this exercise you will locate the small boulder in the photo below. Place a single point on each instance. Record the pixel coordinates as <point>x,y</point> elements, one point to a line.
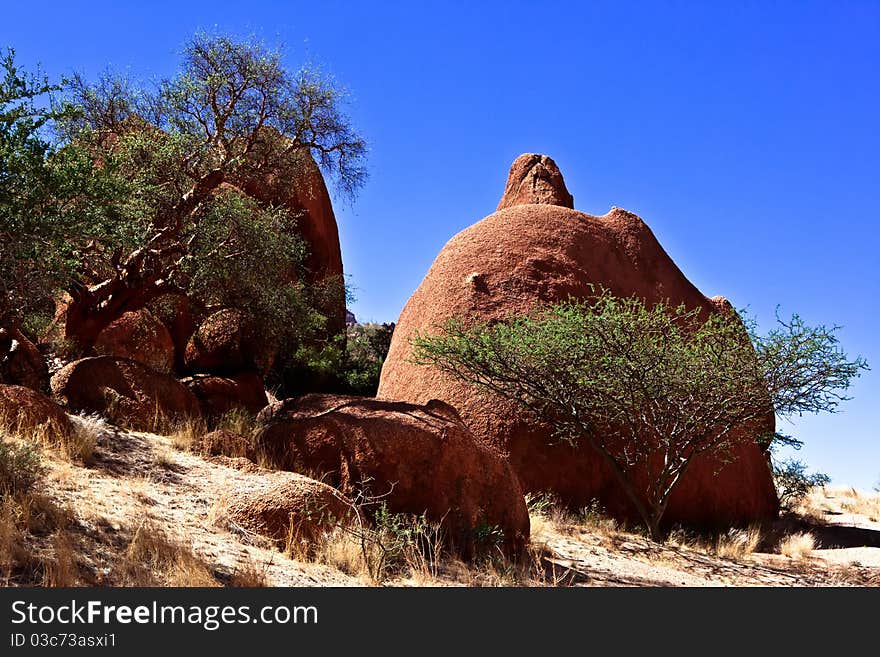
<point>23,410</point>
<point>140,336</point>
<point>21,363</point>
<point>219,395</point>
<point>288,506</point>
<point>124,391</point>
<point>420,457</point>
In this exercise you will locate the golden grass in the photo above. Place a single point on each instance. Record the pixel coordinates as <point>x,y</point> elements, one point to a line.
<point>250,575</point>
<point>852,501</point>
<point>76,445</point>
<point>797,546</point>
<point>737,544</point>
<point>188,434</point>
<point>61,568</point>
<point>152,557</point>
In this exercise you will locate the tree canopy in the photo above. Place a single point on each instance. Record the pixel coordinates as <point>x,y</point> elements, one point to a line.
<point>142,188</point>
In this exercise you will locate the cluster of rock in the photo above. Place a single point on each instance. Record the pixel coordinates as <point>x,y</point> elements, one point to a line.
<point>428,444</point>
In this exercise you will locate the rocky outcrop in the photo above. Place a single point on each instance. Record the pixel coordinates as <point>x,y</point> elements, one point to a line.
<point>218,395</point>
<point>420,457</point>
<point>25,411</point>
<point>535,179</point>
<point>21,363</point>
<point>140,336</point>
<point>533,250</point>
<point>226,344</point>
<point>125,392</point>
<point>288,507</point>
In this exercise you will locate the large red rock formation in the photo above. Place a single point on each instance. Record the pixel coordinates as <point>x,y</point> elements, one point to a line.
<point>534,249</point>
<point>219,395</point>
<point>299,186</point>
<point>420,457</point>
<point>124,391</point>
<point>225,343</point>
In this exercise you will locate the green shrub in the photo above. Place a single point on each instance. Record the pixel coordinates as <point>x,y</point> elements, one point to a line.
<point>20,467</point>
<point>793,482</point>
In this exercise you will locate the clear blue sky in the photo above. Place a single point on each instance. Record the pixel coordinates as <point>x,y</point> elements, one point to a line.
<point>746,135</point>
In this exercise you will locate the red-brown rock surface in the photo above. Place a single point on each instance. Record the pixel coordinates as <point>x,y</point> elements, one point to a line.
<point>219,395</point>
<point>21,363</point>
<point>289,505</point>
<point>535,179</point>
<point>530,252</point>
<point>299,186</point>
<point>124,391</point>
<point>25,410</point>
<point>226,344</point>
<point>421,456</point>
<point>140,336</point>
<point>175,312</point>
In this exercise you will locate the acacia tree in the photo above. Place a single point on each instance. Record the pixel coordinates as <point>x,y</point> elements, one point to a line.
<point>41,213</point>
<point>648,388</point>
<point>179,151</point>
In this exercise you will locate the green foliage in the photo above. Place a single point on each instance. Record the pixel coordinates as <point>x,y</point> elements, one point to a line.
<point>649,388</point>
<point>401,540</point>
<point>20,467</point>
<point>139,195</point>
<point>41,219</point>
<point>366,348</point>
<point>793,482</point>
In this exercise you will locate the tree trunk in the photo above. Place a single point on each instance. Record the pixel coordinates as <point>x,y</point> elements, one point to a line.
<point>91,312</point>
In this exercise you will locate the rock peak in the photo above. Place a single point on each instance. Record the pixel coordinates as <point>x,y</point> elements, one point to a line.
<point>535,179</point>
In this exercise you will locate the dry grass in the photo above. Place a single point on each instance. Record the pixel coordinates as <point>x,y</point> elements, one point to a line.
<point>852,501</point>
<point>188,434</point>
<point>152,557</point>
<point>77,445</point>
<point>61,568</point>
<point>738,543</point>
<point>735,545</point>
<point>249,575</point>
<point>797,546</point>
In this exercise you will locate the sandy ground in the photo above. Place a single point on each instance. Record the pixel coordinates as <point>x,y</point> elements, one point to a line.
<point>140,477</point>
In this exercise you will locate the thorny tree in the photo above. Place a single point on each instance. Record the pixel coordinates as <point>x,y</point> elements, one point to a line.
<point>176,155</point>
<point>648,388</point>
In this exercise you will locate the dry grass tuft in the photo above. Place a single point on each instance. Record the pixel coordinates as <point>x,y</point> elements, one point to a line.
<point>738,543</point>
<point>250,575</point>
<point>61,568</point>
<point>797,546</point>
<point>852,501</point>
<point>188,434</point>
<point>153,557</point>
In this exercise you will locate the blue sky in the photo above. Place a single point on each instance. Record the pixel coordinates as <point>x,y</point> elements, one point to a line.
<point>746,135</point>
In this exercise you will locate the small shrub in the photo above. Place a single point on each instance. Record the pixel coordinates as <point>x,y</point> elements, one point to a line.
<point>793,482</point>
<point>20,467</point>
